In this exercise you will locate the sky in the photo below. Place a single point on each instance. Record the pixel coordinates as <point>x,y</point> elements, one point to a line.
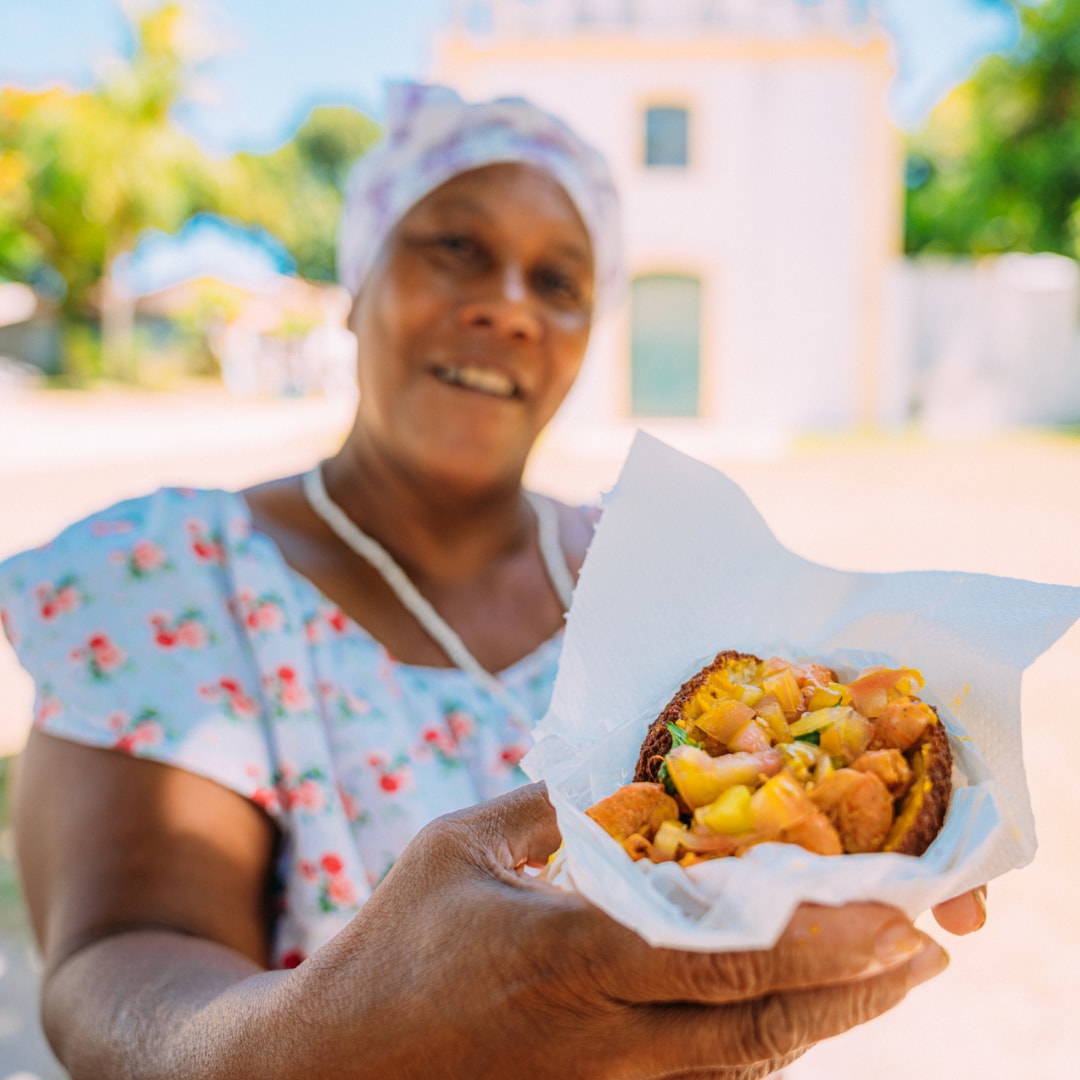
<point>274,63</point>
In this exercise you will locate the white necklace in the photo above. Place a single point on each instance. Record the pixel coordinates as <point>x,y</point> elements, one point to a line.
<point>411,599</point>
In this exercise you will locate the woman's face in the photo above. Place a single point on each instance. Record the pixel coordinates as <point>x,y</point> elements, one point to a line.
<point>472,325</point>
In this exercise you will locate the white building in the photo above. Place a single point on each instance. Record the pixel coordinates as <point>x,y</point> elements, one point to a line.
<point>761,183</point>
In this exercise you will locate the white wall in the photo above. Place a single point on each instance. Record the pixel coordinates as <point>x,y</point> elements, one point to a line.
<point>983,344</point>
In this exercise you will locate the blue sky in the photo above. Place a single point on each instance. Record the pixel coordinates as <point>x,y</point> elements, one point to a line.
<point>279,57</point>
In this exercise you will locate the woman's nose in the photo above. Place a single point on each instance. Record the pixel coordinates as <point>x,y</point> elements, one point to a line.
<point>504,305</point>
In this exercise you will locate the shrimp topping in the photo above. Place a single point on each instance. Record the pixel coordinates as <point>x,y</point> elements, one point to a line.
<point>634,808</point>
<point>751,752</point>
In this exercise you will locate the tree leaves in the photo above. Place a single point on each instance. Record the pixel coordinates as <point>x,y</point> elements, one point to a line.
<point>998,166</point>
<point>82,174</point>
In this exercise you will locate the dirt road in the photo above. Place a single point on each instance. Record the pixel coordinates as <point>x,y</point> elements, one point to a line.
<point>1008,506</point>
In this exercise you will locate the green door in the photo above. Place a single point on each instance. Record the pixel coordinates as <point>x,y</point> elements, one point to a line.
<point>665,350</point>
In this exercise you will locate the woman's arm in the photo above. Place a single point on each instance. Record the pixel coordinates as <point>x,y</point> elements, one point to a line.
<point>146,888</point>
<point>147,892</point>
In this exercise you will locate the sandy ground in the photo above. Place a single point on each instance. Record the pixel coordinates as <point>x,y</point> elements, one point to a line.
<point>1009,505</point>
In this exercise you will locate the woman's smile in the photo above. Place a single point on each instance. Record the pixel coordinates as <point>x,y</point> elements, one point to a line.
<point>479,379</point>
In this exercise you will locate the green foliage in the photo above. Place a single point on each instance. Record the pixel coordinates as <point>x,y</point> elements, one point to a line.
<point>82,174</point>
<point>998,166</point>
<point>88,171</point>
<point>331,139</point>
<point>83,359</point>
<point>295,192</point>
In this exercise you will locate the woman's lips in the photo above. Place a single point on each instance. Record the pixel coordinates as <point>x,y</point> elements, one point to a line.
<point>481,379</point>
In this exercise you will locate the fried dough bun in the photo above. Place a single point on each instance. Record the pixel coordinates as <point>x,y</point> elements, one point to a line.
<point>749,751</point>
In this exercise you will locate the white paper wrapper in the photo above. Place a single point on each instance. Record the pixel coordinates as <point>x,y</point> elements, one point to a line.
<point>682,567</point>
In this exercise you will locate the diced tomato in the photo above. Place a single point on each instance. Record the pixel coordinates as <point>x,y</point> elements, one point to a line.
<point>724,718</point>
<point>784,687</point>
<point>848,737</point>
<point>751,738</point>
<point>872,691</point>
<point>700,778</point>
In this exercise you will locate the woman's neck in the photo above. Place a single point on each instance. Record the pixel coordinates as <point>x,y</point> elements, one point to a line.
<point>435,530</point>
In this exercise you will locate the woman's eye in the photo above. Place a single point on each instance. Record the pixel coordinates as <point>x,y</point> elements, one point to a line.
<point>561,286</point>
<point>463,247</point>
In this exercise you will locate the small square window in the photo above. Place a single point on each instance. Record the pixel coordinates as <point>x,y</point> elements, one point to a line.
<point>667,136</point>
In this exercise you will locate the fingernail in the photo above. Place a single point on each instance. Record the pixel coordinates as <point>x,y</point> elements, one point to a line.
<point>979,896</point>
<point>931,961</point>
<point>899,942</point>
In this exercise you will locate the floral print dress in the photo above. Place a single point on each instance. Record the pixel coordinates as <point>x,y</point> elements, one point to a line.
<point>166,628</point>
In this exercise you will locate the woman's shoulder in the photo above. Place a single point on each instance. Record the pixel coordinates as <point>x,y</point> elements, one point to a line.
<point>277,507</point>
<point>140,530</point>
<point>137,625</point>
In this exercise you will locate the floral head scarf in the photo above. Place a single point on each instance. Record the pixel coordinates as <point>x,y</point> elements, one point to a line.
<point>432,135</point>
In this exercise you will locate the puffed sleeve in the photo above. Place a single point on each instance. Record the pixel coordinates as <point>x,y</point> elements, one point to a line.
<point>132,628</point>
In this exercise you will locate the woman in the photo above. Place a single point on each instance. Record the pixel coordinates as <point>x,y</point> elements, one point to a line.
<point>299,679</point>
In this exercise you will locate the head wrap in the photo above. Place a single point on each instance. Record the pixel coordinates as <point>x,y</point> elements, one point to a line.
<point>431,136</point>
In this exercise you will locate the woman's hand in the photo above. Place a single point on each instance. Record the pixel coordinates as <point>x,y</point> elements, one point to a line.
<point>460,965</point>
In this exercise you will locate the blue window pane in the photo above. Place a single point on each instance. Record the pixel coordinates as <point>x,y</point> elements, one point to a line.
<point>667,136</point>
<point>665,351</point>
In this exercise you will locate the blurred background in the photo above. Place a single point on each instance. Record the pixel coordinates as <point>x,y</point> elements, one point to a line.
<point>852,230</point>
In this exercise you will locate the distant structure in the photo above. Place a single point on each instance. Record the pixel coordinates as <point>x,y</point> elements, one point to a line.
<point>761,182</point>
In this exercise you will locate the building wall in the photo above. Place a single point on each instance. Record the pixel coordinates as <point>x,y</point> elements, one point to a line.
<point>983,344</point>
<point>788,211</point>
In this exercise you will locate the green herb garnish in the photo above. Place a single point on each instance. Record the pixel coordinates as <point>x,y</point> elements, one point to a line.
<point>664,777</point>
<point>679,736</point>
<point>810,737</point>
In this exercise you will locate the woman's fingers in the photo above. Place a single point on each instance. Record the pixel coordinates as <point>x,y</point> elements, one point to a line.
<point>511,831</point>
<point>963,914</point>
<point>522,960</point>
<point>781,1025</point>
<point>821,946</point>
<point>759,1071</point>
